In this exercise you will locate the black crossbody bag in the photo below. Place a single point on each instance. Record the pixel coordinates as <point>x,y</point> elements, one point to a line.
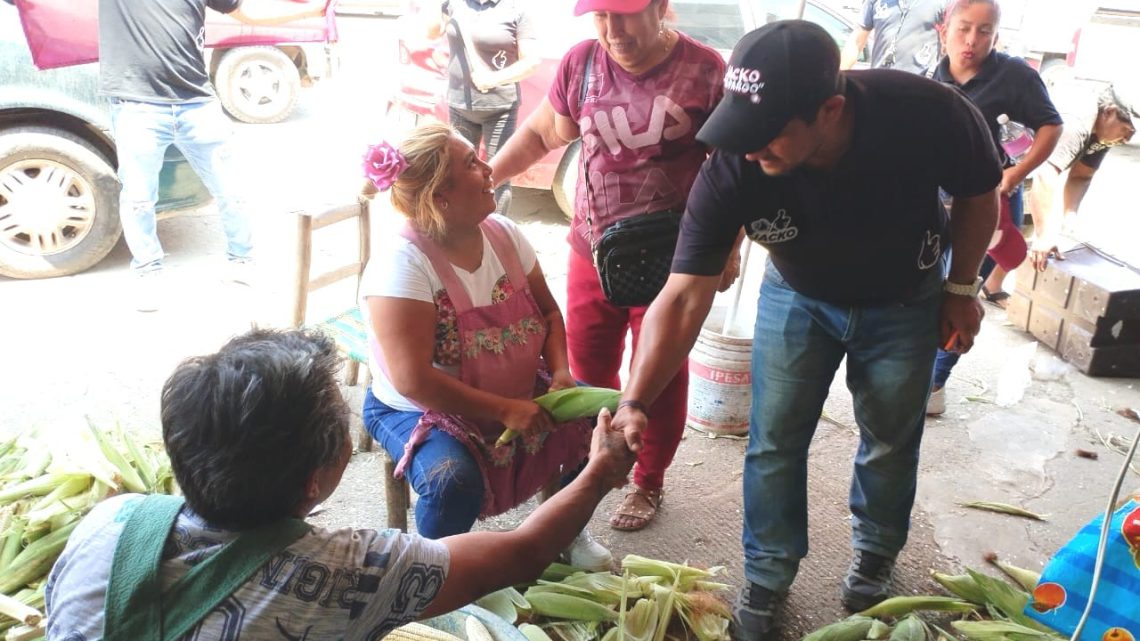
<point>633,256</point>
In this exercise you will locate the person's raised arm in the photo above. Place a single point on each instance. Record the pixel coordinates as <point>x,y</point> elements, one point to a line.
<point>543,131</point>
<point>482,562</point>
<point>668,331</point>
<point>853,47</point>
<point>1044,142</point>
<point>405,329</point>
<point>973,220</point>
<point>270,12</point>
<point>554,349</point>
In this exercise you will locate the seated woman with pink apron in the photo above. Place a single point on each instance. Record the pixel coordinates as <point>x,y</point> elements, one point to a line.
<point>464,334</point>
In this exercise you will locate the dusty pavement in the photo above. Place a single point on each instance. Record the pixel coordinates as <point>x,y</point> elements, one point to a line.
<point>74,347</point>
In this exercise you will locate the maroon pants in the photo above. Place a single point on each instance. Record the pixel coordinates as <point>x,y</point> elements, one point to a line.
<point>595,336</point>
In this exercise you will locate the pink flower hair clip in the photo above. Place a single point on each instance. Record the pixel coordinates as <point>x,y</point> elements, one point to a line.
<point>383,164</point>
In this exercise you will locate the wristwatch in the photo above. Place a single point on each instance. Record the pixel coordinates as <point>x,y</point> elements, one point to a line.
<point>964,290</point>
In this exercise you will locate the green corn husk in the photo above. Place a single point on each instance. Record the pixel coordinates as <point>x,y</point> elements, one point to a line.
<point>686,575</point>
<point>903,605</point>
<point>1027,579</point>
<point>961,585</point>
<point>139,459</point>
<point>501,604</point>
<point>879,630</point>
<point>909,628</point>
<point>1006,599</point>
<point>641,621</point>
<point>13,540</point>
<point>32,463</point>
<point>565,606</point>
<point>1002,631</point>
<point>1004,508</point>
<point>546,587</point>
<point>37,486</point>
<point>476,631</point>
<point>570,404</point>
<point>534,633</point>
<point>131,479</point>
<point>559,571</point>
<point>853,628</point>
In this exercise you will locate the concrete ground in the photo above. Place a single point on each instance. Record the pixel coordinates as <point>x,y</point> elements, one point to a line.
<point>75,347</point>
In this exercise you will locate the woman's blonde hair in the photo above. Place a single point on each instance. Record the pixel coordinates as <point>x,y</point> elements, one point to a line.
<point>427,151</point>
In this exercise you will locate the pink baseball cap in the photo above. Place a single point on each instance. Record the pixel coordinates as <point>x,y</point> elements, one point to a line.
<point>617,6</point>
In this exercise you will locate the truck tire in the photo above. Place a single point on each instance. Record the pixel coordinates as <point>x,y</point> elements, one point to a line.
<point>565,184</point>
<point>59,203</point>
<point>1054,71</point>
<point>258,85</point>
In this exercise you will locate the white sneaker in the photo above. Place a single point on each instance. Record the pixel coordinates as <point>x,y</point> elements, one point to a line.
<point>147,289</point>
<point>936,404</point>
<point>588,554</point>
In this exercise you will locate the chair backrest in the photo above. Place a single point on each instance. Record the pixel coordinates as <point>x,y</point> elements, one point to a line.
<point>311,221</point>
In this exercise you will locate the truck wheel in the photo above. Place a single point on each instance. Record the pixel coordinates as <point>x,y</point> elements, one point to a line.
<point>565,184</point>
<point>258,85</point>
<point>59,203</point>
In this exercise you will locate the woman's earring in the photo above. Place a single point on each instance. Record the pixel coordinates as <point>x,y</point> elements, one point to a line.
<point>444,205</point>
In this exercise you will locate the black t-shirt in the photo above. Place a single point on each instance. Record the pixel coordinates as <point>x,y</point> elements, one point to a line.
<point>153,50</point>
<point>494,28</point>
<point>1005,85</point>
<point>869,230</point>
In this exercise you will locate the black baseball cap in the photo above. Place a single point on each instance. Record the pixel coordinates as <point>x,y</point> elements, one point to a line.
<point>782,70</point>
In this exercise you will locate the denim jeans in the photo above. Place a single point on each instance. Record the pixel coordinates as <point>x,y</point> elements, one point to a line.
<point>202,132</point>
<point>445,476</point>
<point>798,345</point>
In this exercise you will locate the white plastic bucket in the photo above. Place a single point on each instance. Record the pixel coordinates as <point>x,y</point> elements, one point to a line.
<point>720,380</point>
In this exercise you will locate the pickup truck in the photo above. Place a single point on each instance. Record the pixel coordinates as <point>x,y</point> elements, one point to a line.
<point>59,194</point>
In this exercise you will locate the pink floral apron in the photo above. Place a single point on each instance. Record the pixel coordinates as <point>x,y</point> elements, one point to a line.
<point>500,352</point>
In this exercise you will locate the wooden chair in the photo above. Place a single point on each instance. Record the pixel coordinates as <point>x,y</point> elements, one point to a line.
<point>346,327</point>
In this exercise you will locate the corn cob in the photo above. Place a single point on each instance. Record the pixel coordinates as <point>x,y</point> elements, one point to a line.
<point>476,631</point>
<point>140,459</point>
<point>564,606</point>
<point>14,609</point>
<point>34,560</point>
<point>36,486</point>
<point>569,404</point>
<point>910,628</point>
<point>131,479</point>
<point>25,633</point>
<point>962,585</point>
<point>419,632</point>
<point>852,628</point>
<point>902,605</point>
<point>534,633</point>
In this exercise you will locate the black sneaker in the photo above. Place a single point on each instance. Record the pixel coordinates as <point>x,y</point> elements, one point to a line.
<point>868,581</point>
<point>754,614</point>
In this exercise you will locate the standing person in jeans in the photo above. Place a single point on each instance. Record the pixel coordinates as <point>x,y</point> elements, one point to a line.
<point>493,47</point>
<point>838,175</point>
<point>153,69</point>
<point>997,84</point>
<point>637,112</point>
<point>906,37</point>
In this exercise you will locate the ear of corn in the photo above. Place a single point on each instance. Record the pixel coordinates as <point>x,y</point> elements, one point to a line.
<point>565,606</point>
<point>570,404</point>
<point>961,585</point>
<point>1007,599</point>
<point>19,611</point>
<point>909,628</point>
<point>131,479</point>
<point>878,631</point>
<point>854,628</point>
<point>903,605</point>
<point>1027,579</point>
<point>1003,631</point>
<point>558,572</point>
<point>534,633</point>
<point>476,631</point>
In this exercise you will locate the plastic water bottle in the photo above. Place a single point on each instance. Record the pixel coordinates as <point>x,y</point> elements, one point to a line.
<point>1016,138</point>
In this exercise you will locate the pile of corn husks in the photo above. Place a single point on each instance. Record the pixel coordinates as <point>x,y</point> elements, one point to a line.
<point>648,601</point>
<point>990,610</point>
<point>46,487</point>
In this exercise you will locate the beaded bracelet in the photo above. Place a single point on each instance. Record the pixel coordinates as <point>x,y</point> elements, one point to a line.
<point>637,405</point>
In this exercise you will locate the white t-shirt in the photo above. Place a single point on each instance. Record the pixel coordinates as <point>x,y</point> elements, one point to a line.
<point>329,584</point>
<point>398,269</point>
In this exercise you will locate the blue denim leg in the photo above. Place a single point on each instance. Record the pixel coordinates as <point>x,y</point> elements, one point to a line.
<point>943,364</point>
<point>796,350</point>
<point>890,359</point>
<point>798,345</point>
<point>142,132</point>
<point>443,473</point>
<point>203,133</point>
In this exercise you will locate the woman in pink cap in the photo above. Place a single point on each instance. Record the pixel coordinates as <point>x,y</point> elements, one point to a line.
<point>636,97</point>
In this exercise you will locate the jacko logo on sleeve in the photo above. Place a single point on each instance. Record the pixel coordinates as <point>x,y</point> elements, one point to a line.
<point>744,81</point>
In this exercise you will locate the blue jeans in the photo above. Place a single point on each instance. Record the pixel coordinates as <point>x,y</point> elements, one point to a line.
<point>798,345</point>
<point>202,132</point>
<point>445,476</point>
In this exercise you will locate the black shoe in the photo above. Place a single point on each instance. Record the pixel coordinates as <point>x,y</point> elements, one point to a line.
<point>754,614</point>
<point>868,581</point>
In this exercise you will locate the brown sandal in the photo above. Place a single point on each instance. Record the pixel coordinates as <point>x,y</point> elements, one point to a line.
<point>640,505</point>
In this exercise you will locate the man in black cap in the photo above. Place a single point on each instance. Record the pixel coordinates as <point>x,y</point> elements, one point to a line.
<point>838,175</point>
<point>1097,118</point>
